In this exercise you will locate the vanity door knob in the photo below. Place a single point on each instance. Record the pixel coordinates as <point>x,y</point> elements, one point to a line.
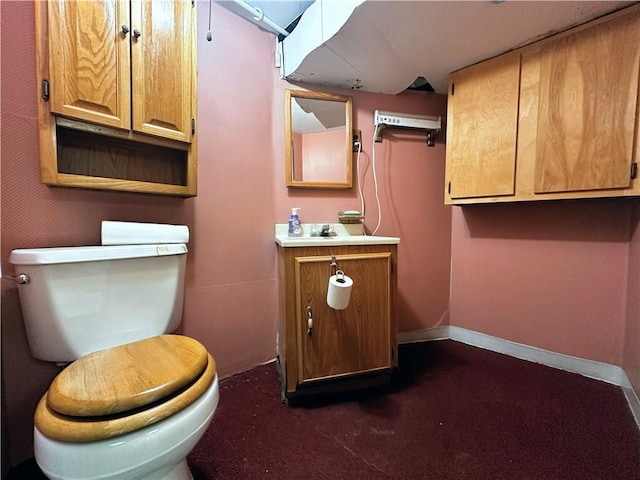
<point>124,29</point>
<point>136,33</point>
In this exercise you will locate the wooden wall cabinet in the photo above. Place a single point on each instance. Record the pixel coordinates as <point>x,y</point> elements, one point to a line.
<point>321,349</point>
<point>555,119</point>
<point>118,94</point>
<point>482,129</point>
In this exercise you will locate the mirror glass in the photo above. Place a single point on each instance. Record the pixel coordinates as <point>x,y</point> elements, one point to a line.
<point>318,140</point>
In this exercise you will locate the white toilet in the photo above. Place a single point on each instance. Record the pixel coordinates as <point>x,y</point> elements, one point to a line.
<point>136,399</point>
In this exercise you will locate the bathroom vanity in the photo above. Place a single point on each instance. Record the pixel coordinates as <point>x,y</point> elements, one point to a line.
<point>321,349</point>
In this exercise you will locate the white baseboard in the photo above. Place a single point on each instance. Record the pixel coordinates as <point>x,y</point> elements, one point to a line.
<point>597,370</point>
<point>633,401</point>
<point>425,335</point>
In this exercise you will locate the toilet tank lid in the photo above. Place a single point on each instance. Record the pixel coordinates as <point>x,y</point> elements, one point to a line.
<point>50,255</point>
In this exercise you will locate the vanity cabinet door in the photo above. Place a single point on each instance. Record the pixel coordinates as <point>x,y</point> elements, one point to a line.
<point>586,107</point>
<point>482,124</point>
<point>340,343</point>
<point>89,61</point>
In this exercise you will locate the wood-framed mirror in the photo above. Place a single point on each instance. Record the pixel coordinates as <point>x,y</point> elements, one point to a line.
<point>318,140</point>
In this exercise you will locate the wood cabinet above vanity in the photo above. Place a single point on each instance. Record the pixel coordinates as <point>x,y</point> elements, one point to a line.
<point>117,106</point>
<point>556,119</point>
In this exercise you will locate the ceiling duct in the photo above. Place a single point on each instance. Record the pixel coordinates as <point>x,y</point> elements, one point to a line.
<point>275,17</point>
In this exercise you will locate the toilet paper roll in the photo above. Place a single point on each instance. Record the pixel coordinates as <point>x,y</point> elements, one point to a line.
<point>133,233</point>
<point>339,290</point>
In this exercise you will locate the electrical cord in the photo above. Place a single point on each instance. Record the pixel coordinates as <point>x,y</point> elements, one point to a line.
<point>375,184</point>
<point>358,169</point>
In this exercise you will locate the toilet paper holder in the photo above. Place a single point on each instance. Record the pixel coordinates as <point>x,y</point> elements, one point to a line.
<point>340,276</point>
<point>333,270</point>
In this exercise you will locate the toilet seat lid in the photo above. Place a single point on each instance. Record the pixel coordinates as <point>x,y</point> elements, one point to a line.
<point>127,377</point>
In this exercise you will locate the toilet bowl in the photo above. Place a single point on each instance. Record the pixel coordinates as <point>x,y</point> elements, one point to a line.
<point>134,411</point>
<point>134,399</point>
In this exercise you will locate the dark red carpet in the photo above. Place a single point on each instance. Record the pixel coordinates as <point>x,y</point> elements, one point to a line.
<point>453,412</point>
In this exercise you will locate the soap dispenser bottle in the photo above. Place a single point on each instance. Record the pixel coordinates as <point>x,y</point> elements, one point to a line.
<point>295,228</point>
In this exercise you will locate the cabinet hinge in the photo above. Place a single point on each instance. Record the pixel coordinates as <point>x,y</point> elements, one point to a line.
<point>193,126</point>
<point>634,170</point>
<point>45,89</point>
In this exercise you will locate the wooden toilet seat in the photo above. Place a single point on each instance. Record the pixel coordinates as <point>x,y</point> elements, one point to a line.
<point>125,388</point>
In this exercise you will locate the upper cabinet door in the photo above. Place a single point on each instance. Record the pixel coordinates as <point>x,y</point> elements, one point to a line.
<point>161,57</point>
<point>482,128</point>
<point>89,61</point>
<point>587,108</point>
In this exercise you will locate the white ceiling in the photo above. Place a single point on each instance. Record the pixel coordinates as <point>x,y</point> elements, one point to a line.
<point>386,44</point>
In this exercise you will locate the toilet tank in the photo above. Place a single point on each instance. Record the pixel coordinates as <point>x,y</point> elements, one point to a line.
<point>82,299</point>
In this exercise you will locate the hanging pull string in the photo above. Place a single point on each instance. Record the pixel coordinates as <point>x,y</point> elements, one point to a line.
<point>209,32</point>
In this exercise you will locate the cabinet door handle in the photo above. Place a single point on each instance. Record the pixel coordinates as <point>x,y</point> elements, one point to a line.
<point>125,30</point>
<point>309,321</point>
<point>136,33</point>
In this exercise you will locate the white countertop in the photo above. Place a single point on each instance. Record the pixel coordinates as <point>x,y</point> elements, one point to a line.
<point>346,234</point>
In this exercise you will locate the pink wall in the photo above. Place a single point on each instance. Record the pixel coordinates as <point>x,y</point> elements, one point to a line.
<point>323,156</point>
<point>632,328</point>
<point>552,275</point>
<point>230,301</point>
